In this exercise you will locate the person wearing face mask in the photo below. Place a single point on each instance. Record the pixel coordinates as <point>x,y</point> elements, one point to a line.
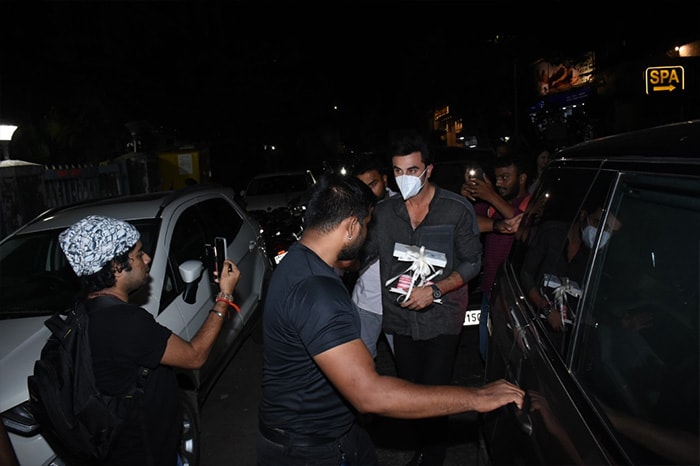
<point>547,256</point>
<point>427,325</point>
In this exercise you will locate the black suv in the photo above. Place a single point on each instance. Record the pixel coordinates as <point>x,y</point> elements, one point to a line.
<point>595,312</point>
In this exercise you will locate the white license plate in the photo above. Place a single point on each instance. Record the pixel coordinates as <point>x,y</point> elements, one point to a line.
<point>472,317</point>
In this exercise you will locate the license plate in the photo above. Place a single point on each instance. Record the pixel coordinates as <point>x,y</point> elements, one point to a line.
<point>472,317</point>
<point>279,257</point>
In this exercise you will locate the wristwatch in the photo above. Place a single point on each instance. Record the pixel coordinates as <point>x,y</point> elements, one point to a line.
<point>546,310</point>
<point>437,294</point>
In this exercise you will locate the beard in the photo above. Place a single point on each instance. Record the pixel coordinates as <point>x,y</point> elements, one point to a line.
<point>351,251</point>
<point>508,194</point>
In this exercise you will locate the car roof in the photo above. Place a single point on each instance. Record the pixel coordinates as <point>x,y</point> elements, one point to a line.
<point>680,139</point>
<point>131,207</point>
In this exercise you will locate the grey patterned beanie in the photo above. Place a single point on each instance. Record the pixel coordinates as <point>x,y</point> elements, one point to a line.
<point>95,240</point>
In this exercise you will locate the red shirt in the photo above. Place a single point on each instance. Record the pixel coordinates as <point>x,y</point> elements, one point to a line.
<point>496,245</point>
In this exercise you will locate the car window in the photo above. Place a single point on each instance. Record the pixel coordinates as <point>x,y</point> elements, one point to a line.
<point>221,219</point>
<point>197,226</point>
<point>187,243</point>
<point>638,352</point>
<point>548,253</point>
<point>35,276</point>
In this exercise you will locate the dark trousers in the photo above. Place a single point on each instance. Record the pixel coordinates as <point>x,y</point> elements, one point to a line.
<point>355,448</point>
<point>428,362</point>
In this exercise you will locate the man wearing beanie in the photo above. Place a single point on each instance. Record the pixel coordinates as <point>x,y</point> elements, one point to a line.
<point>107,255</point>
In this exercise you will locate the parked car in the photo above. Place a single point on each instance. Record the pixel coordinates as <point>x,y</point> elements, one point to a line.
<point>270,191</point>
<point>37,281</point>
<point>619,384</point>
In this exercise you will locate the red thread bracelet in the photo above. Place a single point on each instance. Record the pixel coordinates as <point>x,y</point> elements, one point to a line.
<point>230,303</point>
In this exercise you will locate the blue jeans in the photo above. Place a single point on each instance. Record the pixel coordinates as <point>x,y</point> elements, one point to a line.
<point>483,327</point>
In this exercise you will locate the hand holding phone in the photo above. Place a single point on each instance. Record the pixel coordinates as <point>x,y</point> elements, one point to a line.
<point>476,173</point>
<point>220,254</point>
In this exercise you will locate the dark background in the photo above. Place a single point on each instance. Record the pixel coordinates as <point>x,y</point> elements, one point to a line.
<point>312,80</point>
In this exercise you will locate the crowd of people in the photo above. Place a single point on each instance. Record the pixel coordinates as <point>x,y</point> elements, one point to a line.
<point>319,331</point>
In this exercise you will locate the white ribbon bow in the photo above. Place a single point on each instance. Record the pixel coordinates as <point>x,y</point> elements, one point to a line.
<point>420,270</point>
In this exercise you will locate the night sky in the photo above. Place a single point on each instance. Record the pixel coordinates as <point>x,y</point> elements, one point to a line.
<point>237,75</point>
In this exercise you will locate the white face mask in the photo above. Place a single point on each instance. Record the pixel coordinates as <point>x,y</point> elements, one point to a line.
<point>588,236</point>
<point>409,185</point>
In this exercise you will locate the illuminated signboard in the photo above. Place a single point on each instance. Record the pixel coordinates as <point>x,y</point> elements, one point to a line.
<point>664,79</point>
<point>561,75</point>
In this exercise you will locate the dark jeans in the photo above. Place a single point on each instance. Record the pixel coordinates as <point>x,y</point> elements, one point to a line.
<point>428,362</point>
<point>355,448</point>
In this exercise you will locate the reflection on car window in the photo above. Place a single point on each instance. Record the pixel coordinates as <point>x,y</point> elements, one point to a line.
<point>638,356</point>
<point>550,252</point>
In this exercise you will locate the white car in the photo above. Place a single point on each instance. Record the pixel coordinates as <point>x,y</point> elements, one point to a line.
<point>267,192</point>
<point>37,281</point>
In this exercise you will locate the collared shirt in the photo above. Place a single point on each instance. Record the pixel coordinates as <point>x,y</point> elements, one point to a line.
<point>449,227</point>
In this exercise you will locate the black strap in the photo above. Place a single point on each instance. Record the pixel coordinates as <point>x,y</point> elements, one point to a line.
<point>282,437</point>
<point>135,394</point>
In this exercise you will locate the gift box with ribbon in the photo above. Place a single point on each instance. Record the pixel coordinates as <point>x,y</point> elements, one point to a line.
<point>423,268</point>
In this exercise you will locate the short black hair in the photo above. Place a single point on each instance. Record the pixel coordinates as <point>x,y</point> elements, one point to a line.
<point>508,160</point>
<point>335,198</point>
<point>105,278</point>
<point>408,141</point>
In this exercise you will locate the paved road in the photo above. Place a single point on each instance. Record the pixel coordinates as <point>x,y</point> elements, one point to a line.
<point>229,416</point>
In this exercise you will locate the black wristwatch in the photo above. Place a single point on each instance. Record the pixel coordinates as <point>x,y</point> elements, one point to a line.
<point>437,294</point>
<point>546,310</point>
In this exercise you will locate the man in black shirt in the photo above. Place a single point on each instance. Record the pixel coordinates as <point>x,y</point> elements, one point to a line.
<point>317,372</point>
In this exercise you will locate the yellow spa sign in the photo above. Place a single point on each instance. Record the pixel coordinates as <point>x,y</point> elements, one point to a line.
<point>664,79</point>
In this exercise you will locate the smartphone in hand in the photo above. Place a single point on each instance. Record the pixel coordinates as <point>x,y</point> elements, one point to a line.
<point>476,173</point>
<point>220,254</point>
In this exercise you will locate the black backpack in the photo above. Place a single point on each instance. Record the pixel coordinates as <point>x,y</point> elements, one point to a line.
<point>77,420</point>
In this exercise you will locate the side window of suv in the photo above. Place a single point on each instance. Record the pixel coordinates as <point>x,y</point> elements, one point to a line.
<point>550,254</point>
<point>638,356</point>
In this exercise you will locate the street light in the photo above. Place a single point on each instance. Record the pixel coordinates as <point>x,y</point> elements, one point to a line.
<point>6,132</point>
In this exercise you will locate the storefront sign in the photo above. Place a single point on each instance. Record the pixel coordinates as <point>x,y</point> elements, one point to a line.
<point>664,79</point>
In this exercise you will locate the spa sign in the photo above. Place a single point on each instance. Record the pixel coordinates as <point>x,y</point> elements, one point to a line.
<point>664,79</point>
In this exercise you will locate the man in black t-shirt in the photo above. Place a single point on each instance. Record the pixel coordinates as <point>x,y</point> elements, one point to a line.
<point>107,255</point>
<point>317,372</point>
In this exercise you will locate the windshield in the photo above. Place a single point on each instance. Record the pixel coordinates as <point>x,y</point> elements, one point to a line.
<point>35,276</point>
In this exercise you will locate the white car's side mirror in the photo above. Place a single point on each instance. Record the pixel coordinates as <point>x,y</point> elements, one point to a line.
<point>191,270</point>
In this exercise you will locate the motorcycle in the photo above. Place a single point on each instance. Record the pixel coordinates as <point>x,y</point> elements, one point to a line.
<point>281,228</point>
